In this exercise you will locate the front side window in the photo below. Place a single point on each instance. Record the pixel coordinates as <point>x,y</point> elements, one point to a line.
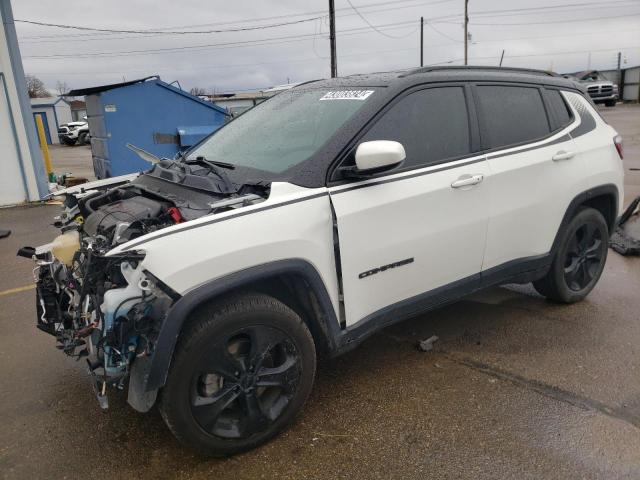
<point>431,124</point>
<point>284,131</point>
<point>511,115</point>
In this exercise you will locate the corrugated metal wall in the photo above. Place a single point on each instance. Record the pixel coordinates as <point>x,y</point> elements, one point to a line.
<point>630,92</point>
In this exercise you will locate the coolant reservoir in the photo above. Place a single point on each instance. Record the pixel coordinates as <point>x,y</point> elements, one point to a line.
<point>65,246</point>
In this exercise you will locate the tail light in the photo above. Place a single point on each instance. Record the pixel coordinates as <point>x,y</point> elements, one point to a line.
<point>617,141</point>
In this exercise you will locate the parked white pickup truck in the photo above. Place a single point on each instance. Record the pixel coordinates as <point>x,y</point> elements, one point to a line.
<point>74,133</point>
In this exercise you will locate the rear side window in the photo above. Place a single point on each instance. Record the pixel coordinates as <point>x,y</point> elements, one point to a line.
<point>511,115</point>
<point>431,124</point>
<point>559,108</point>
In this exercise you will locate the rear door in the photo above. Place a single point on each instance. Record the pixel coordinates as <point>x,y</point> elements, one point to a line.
<point>534,169</point>
<point>407,233</point>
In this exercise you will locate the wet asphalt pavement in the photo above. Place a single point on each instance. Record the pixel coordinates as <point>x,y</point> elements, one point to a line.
<point>516,387</point>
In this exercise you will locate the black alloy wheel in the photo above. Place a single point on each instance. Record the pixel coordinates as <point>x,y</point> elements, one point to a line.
<point>245,381</point>
<point>584,256</point>
<point>579,260</point>
<point>241,371</point>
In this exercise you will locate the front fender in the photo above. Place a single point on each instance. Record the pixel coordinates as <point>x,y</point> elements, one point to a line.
<point>158,367</point>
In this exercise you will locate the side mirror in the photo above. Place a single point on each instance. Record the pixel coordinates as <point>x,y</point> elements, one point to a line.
<point>378,155</point>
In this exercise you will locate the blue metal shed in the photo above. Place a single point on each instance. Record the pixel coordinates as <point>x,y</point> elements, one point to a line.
<point>147,113</point>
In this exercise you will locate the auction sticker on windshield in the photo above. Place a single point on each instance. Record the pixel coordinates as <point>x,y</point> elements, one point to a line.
<point>347,95</point>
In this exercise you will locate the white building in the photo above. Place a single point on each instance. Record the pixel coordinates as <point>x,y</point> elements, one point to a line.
<point>22,173</point>
<point>54,111</point>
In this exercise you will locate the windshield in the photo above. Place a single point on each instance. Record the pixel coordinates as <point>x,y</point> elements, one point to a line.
<point>594,77</point>
<point>284,131</point>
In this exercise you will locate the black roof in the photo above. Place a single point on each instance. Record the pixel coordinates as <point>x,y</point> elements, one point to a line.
<point>406,78</point>
<point>103,88</point>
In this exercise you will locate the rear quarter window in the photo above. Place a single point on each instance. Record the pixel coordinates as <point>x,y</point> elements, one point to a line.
<point>559,108</point>
<point>511,115</point>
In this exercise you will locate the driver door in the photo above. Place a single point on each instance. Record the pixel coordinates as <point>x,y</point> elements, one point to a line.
<point>418,232</point>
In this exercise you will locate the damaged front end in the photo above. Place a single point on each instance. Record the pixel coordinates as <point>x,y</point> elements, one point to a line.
<point>105,307</point>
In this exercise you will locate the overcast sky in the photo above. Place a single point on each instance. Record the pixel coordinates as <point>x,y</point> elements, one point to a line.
<point>563,35</point>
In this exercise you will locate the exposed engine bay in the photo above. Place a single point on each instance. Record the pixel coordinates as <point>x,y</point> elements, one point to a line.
<point>104,308</point>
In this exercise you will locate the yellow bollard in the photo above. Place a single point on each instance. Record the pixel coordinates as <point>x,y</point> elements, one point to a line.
<point>45,148</point>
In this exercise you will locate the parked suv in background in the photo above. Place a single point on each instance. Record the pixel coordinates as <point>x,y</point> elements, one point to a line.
<point>74,133</point>
<point>211,282</point>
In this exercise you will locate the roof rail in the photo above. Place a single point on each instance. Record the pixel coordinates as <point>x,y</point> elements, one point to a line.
<point>530,71</point>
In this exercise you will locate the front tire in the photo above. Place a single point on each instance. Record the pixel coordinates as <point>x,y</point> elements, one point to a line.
<point>579,260</point>
<point>240,373</point>
<point>610,103</point>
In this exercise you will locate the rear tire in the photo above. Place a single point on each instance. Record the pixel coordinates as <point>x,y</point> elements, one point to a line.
<point>240,373</point>
<point>579,260</point>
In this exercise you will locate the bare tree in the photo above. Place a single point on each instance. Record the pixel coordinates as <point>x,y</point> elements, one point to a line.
<point>197,91</point>
<point>62,88</point>
<point>35,87</point>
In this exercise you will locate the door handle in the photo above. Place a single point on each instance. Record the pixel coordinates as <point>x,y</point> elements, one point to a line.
<point>562,155</point>
<point>467,180</point>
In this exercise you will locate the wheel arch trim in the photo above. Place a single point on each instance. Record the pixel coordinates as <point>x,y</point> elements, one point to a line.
<point>579,200</point>
<point>185,305</point>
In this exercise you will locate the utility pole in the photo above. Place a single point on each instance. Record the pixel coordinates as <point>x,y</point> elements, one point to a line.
<point>619,69</point>
<point>466,33</point>
<point>422,41</point>
<point>501,57</point>
<point>332,39</point>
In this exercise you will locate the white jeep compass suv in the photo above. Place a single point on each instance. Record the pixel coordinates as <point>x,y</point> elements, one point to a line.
<point>211,282</point>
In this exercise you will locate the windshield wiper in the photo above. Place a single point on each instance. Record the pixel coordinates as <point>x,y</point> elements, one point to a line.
<point>216,168</point>
<point>217,163</point>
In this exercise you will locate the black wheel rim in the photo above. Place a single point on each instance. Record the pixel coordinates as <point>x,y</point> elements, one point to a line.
<point>584,257</point>
<point>244,382</point>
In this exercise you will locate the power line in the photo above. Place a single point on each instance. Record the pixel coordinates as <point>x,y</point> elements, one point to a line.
<point>573,52</point>
<point>213,67</point>
<point>203,46</point>
<point>442,34</point>
<point>168,32</point>
<point>155,67</point>
<point>236,44</point>
<point>533,10</point>
<point>555,21</point>
<point>373,27</point>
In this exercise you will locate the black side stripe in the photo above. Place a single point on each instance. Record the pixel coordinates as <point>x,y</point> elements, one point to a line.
<point>216,220</point>
<point>564,138</point>
<point>489,156</point>
<point>588,124</point>
<point>417,174</point>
